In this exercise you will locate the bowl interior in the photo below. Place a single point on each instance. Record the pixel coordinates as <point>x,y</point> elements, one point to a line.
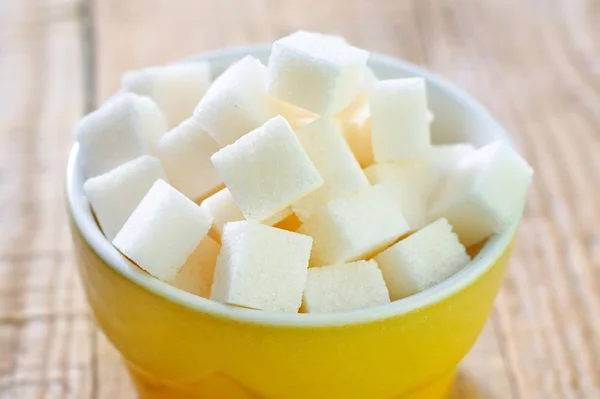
<point>458,117</point>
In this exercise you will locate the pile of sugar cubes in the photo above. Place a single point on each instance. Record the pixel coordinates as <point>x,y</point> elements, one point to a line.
<point>306,185</point>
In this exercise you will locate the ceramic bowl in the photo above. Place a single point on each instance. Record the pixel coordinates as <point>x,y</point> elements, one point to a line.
<point>177,345</point>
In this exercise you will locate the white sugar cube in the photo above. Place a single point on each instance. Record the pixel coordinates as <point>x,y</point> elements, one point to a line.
<point>430,116</point>
<point>115,194</point>
<point>484,192</point>
<point>185,154</point>
<point>354,227</point>
<point>410,183</point>
<point>261,267</point>
<point>399,119</point>
<point>223,209</point>
<point>299,123</point>
<point>344,287</point>
<point>163,231</point>
<point>123,129</point>
<point>236,102</point>
<point>316,72</point>
<point>323,142</point>
<point>196,274</point>
<point>423,259</point>
<point>362,98</point>
<point>267,170</point>
<point>176,88</point>
<point>356,123</point>
<point>278,217</point>
<point>357,132</point>
<point>446,156</point>
<point>297,117</point>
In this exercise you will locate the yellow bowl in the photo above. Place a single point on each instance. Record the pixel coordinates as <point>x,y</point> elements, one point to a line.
<point>177,345</point>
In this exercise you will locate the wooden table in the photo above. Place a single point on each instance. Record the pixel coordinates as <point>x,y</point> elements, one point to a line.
<point>534,63</point>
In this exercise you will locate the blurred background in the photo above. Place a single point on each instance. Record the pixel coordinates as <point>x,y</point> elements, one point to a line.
<point>534,63</point>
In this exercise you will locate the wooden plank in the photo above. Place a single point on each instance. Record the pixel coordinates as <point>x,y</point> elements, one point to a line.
<point>113,379</point>
<point>533,63</point>
<point>45,333</point>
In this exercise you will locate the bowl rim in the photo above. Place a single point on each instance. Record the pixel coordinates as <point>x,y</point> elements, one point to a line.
<point>494,248</point>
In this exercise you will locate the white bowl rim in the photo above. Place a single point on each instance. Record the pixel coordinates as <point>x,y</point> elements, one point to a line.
<point>487,257</point>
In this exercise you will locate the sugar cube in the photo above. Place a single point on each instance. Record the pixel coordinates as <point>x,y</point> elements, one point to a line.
<point>267,170</point>
<point>362,98</point>
<point>278,217</point>
<point>446,156</point>
<point>484,192</point>
<point>354,227</point>
<point>115,194</point>
<point>297,117</point>
<point>399,119</point>
<point>430,116</point>
<point>323,142</point>
<point>185,154</point>
<point>196,274</point>
<point>236,102</point>
<point>344,287</point>
<point>222,208</point>
<point>357,132</point>
<point>261,267</point>
<point>315,72</point>
<point>410,184</point>
<point>123,129</point>
<point>356,123</point>
<point>163,231</point>
<point>425,258</point>
<point>176,88</point>
<point>303,122</point>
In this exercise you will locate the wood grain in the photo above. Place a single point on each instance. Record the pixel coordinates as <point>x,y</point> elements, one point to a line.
<point>534,63</point>
<point>45,332</point>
